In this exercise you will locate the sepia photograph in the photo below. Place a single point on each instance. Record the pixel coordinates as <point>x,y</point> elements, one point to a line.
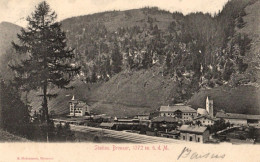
<point>155,80</point>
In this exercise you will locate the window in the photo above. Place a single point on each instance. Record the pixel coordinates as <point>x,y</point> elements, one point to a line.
<point>183,137</point>
<point>198,139</point>
<point>203,121</point>
<point>190,138</point>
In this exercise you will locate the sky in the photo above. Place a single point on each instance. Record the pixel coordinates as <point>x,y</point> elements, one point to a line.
<point>16,11</point>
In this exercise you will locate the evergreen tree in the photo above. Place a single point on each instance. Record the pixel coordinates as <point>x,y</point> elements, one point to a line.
<point>117,59</point>
<point>14,114</point>
<point>49,59</point>
<point>240,22</point>
<point>107,67</point>
<point>94,74</point>
<point>130,61</point>
<point>147,60</point>
<point>168,61</point>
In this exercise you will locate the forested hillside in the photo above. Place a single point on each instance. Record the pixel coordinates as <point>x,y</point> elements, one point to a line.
<point>137,60</point>
<point>197,50</point>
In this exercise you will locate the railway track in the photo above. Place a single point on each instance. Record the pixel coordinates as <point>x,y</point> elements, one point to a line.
<point>131,137</point>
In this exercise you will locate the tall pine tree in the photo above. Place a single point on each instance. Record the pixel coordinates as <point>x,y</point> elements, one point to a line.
<point>117,59</point>
<point>49,61</point>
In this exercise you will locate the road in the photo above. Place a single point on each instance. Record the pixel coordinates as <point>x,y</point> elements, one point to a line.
<point>131,137</point>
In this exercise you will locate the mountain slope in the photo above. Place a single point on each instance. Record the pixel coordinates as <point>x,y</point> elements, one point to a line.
<point>8,33</point>
<point>243,99</point>
<point>252,28</point>
<point>139,89</point>
<point>116,19</point>
<point>134,91</point>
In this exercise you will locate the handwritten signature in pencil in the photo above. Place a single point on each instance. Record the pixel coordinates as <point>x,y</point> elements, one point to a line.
<point>188,153</point>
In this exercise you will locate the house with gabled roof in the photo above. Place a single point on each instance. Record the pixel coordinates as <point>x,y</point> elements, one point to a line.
<point>205,120</point>
<point>194,133</point>
<point>183,112</point>
<point>201,111</point>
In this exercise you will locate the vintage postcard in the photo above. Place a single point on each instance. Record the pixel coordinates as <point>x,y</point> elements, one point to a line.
<point>129,80</point>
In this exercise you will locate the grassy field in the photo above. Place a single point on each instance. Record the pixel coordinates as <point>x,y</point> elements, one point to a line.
<point>128,94</point>
<point>8,137</point>
<point>243,99</point>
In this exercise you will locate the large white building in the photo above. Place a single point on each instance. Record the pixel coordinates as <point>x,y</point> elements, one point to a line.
<point>78,108</point>
<point>183,112</point>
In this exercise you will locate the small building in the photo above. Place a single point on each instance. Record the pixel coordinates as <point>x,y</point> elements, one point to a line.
<point>239,119</point>
<point>201,111</point>
<point>205,120</point>
<point>107,125</point>
<point>164,122</point>
<point>194,133</point>
<point>126,121</point>
<point>78,108</point>
<point>183,112</point>
<point>171,134</point>
<point>143,116</point>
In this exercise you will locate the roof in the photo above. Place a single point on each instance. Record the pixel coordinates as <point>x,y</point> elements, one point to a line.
<point>174,132</point>
<point>165,119</point>
<point>202,111</point>
<point>125,120</point>
<point>237,116</point>
<point>182,108</point>
<point>192,129</point>
<point>143,114</point>
<point>81,104</point>
<point>205,116</point>
<point>210,100</point>
<point>106,124</point>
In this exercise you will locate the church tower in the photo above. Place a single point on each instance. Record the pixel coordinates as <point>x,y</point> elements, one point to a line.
<point>209,106</point>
